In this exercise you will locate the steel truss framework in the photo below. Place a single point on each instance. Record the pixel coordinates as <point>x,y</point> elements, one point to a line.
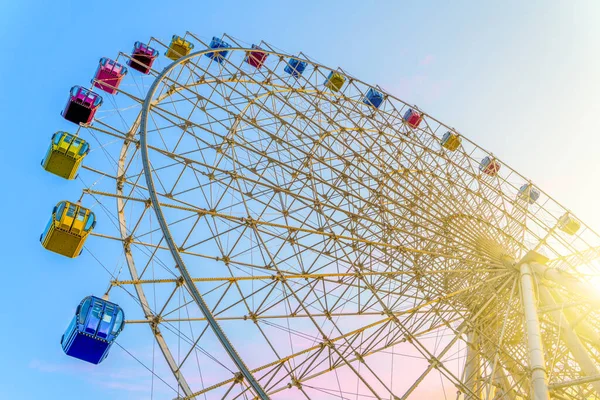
<point>287,241</point>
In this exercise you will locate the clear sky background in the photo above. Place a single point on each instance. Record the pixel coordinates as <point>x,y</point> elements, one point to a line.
<point>521,79</point>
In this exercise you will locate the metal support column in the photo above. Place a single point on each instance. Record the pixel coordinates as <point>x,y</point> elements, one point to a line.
<point>472,363</point>
<point>537,363</point>
<point>504,388</point>
<point>567,281</point>
<point>570,338</point>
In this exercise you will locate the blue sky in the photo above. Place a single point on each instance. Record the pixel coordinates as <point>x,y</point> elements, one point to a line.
<point>519,78</point>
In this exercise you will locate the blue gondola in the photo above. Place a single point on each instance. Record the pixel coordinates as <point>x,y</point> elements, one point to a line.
<point>529,193</point>
<point>217,43</point>
<point>94,328</point>
<point>373,98</point>
<point>295,67</point>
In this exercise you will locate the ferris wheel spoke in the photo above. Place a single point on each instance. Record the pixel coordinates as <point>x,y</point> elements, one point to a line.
<point>319,329</point>
<point>460,173</point>
<point>110,131</point>
<point>436,361</point>
<point>305,276</point>
<point>388,319</point>
<point>313,372</point>
<point>325,234</point>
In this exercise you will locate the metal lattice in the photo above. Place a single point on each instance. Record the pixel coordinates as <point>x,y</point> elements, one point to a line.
<point>294,242</point>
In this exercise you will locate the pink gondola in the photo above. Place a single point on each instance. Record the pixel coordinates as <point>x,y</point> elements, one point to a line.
<point>142,57</point>
<point>109,75</point>
<point>489,166</point>
<point>81,106</point>
<point>413,118</point>
<point>256,57</point>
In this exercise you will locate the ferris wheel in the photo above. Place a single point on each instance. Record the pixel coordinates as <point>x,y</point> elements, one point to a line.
<point>287,231</point>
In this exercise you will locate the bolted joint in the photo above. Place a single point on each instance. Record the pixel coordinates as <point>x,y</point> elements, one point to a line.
<point>252,317</point>
<point>295,382</point>
<point>120,182</point>
<point>128,240</point>
<point>225,259</point>
<point>127,247</point>
<point>238,377</point>
<point>279,277</point>
<point>154,322</point>
<point>359,357</point>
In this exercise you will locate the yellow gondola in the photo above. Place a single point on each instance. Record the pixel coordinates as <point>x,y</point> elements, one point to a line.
<point>451,141</point>
<point>67,229</point>
<point>178,48</point>
<point>65,154</point>
<point>567,223</point>
<point>335,81</point>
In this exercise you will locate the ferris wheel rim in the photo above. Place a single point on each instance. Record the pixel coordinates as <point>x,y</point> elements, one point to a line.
<point>174,250</point>
<point>131,264</point>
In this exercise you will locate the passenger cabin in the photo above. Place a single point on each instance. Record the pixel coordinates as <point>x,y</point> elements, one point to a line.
<point>489,166</point>
<point>568,224</point>
<point>413,118</point>
<point>68,228</point>
<point>218,56</point>
<point>335,81</point>
<point>109,75</point>
<point>451,141</point>
<point>178,48</point>
<point>65,154</point>
<point>93,330</point>
<point>142,57</point>
<point>295,67</point>
<point>373,98</point>
<point>81,106</point>
<point>256,57</point>
<point>529,192</point>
